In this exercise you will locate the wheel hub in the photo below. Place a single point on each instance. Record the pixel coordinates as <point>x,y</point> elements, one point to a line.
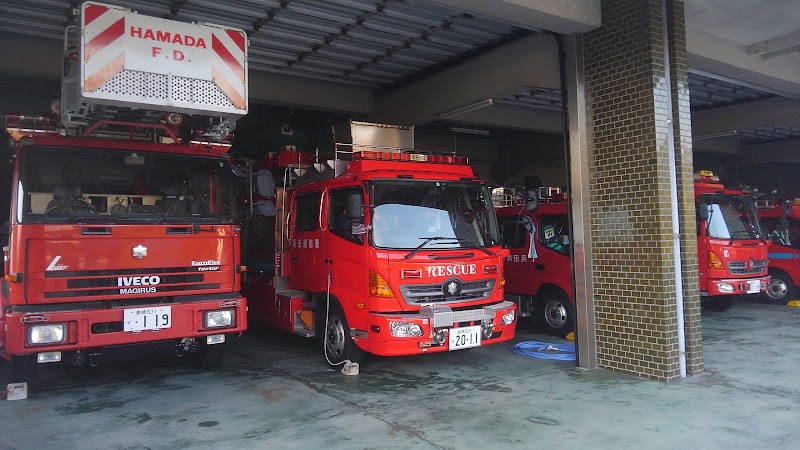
<point>335,337</point>
<point>555,313</point>
<point>777,289</point>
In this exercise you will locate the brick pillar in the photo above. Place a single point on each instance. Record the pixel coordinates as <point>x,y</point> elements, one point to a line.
<point>628,105</point>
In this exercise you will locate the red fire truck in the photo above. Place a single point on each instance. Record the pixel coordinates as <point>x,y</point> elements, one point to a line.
<point>731,247</point>
<point>732,252</point>
<point>385,251</point>
<point>121,238</point>
<point>538,273</point>
<point>780,219</point>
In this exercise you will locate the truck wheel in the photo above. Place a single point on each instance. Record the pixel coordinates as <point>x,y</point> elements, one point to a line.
<point>557,312</point>
<point>719,303</point>
<point>780,289</point>
<point>210,356</point>
<point>337,343</point>
<point>23,369</point>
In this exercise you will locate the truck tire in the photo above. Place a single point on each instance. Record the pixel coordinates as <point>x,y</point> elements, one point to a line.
<point>719,303</point>
<point>23,369</point>
<point>780,289</point>
<point>337,342</point>
<point>557,312</point>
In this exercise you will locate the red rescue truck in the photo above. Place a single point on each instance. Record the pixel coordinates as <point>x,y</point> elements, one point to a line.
<point>385,251</point>
<point>780,219</point>
<point>122,239</point>
<point>732,252</point>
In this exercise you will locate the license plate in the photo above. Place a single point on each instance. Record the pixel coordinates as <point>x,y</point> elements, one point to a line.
<point>754,287</point>
<point>466,337</point>
<point>154,318</point>
<point>417,157</point>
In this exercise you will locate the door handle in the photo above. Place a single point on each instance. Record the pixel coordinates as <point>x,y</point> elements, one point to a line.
<point>295,258</point>
<point>538,266</point>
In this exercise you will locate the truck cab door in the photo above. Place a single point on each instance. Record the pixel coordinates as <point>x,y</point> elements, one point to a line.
<point>518,265</point>
<point>306,261</point>
<point>553,248</point>
<point>345,251</point>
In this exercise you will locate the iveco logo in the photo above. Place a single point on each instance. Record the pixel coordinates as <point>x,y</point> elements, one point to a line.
<point>139,251</point>
<point>451,288</point>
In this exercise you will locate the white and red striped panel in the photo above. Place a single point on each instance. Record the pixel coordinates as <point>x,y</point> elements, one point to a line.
<point>139,61</point>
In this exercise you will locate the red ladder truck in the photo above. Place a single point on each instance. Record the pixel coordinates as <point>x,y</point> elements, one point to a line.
<point>386,251</point>
<point>732,252</point>
<point>121,240</point>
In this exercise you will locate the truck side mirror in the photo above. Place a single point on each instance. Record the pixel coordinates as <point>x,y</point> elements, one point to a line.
<point>531,200</point>
<point>238,171</point>
<point>355,212</point>
<point>702,212</point>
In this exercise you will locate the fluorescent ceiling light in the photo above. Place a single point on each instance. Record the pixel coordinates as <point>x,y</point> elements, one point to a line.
<point>468,108</point>
<point>717,134</point>
<point>470,131</point>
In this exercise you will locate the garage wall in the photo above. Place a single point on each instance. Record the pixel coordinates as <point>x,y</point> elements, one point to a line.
<point>29,96</point>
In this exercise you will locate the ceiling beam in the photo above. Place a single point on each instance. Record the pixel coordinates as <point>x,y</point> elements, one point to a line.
<point>770,111</point>
<point>531,61</point>
<point>562,16</point>
<point>775,45</point>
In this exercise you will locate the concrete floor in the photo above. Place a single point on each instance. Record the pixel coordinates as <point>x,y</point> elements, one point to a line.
<point>276,392</point>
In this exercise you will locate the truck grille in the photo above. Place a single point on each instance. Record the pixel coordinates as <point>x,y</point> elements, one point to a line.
<point>747,267</point>
<point>127,282</point>
<point>415,294</point>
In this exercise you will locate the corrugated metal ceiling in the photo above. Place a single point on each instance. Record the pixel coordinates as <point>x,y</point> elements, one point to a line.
<point>371,43</point>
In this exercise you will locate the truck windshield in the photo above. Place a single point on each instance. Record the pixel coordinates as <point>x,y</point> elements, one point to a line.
<point>438,214</point>
<point>732,217</point>
<point>87,185</point>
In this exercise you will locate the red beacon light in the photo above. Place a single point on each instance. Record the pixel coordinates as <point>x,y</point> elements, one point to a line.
<point>706,176</point>
<point>410,157</point>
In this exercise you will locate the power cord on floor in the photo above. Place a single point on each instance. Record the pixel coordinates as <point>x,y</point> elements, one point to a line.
<point>3,394</point>
<point>545,350</point>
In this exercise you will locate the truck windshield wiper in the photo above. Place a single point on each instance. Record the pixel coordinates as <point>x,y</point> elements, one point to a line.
<point>462,242</point>
<point>482,248</point>
<point>424,242</point>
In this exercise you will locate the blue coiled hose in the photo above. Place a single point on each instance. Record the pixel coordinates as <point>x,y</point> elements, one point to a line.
<point>546,350</point>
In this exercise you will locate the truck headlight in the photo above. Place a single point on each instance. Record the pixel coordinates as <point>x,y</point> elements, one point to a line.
<point>405,329</point>
<point>46,334</point>
<point>508,318</point>
<point>725,287</point>
<point>219,318</point>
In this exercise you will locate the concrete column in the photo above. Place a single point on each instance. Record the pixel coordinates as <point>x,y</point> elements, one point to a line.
<point>634,108</point>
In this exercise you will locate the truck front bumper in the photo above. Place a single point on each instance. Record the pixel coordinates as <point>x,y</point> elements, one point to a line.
<point>87,329</point>
<point>737,286</point>
<point>436,322</point>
